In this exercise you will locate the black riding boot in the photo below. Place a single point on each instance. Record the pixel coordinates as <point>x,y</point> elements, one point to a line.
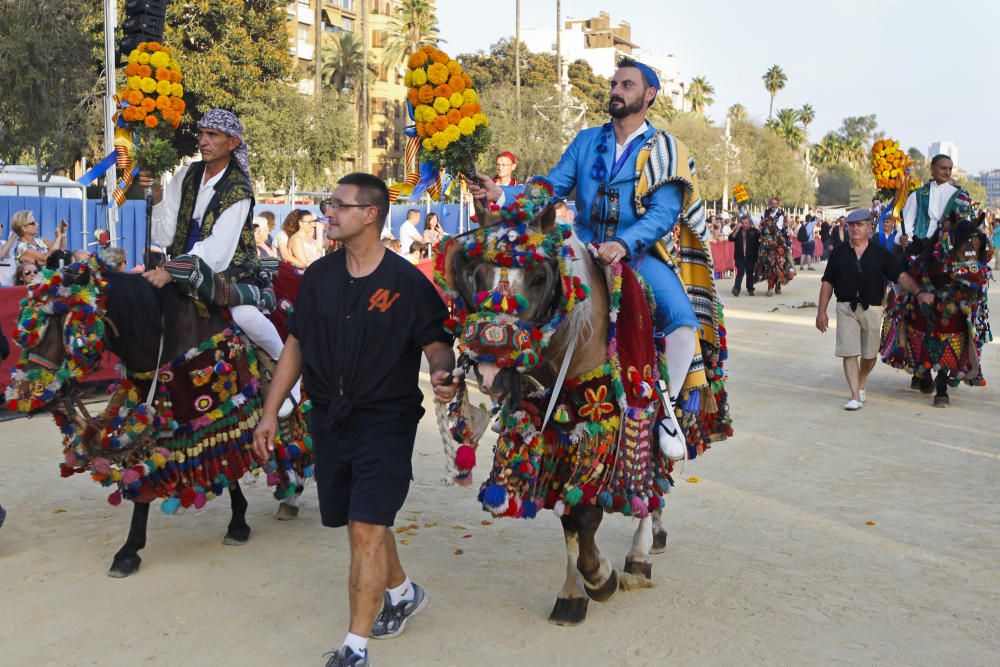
<point>941,399</point>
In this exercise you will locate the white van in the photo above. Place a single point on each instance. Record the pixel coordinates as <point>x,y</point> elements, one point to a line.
<point>20,181</point>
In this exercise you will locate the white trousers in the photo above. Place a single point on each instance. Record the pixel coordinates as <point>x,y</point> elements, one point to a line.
<point>262,332</point>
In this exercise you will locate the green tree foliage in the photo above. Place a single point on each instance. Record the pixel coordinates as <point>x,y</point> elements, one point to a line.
<point>533,144</point>
<point>700,94</point>
<point>231,52</point>
<point>289,131</point>
<point>413,25</point>
<point>774,80</point>
<point>920,163</point>
<point>974,188</point>
<point>837,181</point>
<point>788,125</point>
<point>343,63</point>
<point>50,69</point>
<point>705,143</point>
<point>768,167</point>
<point>806,116</point>
<point>738,113</point>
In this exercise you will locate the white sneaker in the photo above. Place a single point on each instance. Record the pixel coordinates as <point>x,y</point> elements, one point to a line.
<point>853,405</point>
<point>863,396</point>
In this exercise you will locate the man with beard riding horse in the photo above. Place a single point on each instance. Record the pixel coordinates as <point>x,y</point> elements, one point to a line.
<point>627,205</point>
<point>204,220</point>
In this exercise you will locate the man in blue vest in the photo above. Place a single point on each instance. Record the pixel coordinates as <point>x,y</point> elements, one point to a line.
<point>626,225</point>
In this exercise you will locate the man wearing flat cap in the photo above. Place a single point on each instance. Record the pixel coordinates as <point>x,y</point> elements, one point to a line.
<point>856,273</point>
<point>204,220</point>
<point>634,184</point>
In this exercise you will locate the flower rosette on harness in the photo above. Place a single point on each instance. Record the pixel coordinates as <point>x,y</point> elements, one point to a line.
<point>34,382</point>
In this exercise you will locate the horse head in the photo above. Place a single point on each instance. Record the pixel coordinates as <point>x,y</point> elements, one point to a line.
<point>521,287</point>
<point>61,333</point>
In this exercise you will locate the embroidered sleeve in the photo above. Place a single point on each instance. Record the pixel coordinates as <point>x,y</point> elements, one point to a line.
<point>218,249</point>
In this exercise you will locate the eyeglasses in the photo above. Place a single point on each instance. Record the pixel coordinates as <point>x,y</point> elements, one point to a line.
<point>336,206</point>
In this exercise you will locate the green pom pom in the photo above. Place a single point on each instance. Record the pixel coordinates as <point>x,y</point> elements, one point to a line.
<point>574,495</point>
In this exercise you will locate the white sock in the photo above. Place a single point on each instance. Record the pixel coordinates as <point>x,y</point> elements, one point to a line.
<point>402,592</point>
<point>356,643</point>
<point>680,344</point>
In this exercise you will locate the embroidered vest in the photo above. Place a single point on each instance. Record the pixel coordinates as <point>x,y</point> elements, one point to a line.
<point>231,188</point>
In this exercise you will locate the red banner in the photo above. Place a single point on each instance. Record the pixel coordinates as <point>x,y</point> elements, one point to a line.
<point>10,308</point>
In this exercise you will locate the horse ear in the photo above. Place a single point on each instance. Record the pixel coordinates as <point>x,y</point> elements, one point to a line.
<point>546,220</point>
<point>80,277</point>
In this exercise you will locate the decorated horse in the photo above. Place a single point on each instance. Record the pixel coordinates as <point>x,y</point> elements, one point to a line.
<point>947,337</point>
<point>568,351</point>
<point>178,425</point>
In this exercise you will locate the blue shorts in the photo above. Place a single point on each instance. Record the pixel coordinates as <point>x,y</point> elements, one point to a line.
<point>673,307</point>
<point>364,467</point>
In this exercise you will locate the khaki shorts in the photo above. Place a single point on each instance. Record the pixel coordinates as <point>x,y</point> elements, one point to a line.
<point>858,331</point>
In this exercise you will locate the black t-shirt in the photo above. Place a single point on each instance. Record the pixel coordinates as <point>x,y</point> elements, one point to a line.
<point>361,338</point>
<point>861,281</point>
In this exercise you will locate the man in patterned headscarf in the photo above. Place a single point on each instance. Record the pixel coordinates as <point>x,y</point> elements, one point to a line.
<point>204,219</point>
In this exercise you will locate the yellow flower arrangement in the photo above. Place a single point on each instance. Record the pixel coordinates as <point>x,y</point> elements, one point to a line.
<point>740,194</point>
<point>449,121</point>
<point>151,104</point>
<point>891,166</point>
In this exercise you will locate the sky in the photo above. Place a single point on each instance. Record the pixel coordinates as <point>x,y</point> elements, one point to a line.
<point>928,70</point>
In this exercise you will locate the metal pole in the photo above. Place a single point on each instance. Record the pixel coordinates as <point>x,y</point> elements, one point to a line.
<point>111,176</point>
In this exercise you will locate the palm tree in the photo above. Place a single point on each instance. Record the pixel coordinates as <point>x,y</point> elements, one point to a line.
<point>807,115</point>
<point>700,93</point>
<point>738,113</point>
<point>414,25</point>
<point>786,125</point>
<point>343,62</point>
<point>774,80</point>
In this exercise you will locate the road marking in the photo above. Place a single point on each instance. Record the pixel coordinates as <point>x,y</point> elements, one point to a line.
<point>989,455</point>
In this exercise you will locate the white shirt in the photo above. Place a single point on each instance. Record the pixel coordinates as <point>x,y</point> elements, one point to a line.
<point>408,235</point>
<point>218,249</point>
<point>620,148</point>
<point>937,199</point>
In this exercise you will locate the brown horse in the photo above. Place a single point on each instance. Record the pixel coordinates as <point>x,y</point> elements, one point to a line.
<point>142,325</point>
<point>578,345</point>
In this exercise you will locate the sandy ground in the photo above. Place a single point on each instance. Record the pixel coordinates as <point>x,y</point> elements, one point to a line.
<point>771,557</point>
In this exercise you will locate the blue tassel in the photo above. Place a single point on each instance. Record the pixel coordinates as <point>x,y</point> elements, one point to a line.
<point>693,403</point>
<point>494,496</point>
<point>605,499</point>
<point>170,505</point>
<point>529,509</point>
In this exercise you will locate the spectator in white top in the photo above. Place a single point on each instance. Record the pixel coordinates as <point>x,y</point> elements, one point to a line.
<point>410,239</point>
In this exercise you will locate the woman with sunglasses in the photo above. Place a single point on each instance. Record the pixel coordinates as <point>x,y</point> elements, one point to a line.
<point>29,246</point>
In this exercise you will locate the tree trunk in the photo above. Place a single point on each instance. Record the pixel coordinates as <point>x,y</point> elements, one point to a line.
<point>770,109</point>
<point>318,48</point>
<point>364,138</point>
<point>517,59</point>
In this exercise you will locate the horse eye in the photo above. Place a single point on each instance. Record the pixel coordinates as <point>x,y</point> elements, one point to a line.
<point>537,280</point>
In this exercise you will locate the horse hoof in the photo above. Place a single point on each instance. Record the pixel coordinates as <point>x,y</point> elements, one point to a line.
<point>237,536</point>
<point>941,401</point>
<point>659,542</point>
<point>569,611</point>
<point>605,591</point>
<point>638,567</point>
<point>286,512</point>
<point>124,566</point>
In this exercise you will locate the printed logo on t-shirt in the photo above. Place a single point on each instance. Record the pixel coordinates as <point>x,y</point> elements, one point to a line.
<point>382,299</point>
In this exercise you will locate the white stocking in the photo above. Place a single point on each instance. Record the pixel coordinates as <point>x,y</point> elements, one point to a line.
<point>262,332</point>
<point>680,351</point>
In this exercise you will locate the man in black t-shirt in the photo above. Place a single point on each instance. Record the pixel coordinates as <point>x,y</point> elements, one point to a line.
<point>361,319</point>
<point>857,272</point>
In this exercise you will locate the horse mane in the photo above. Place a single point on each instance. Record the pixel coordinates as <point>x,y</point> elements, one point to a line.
<point>136,307</point>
